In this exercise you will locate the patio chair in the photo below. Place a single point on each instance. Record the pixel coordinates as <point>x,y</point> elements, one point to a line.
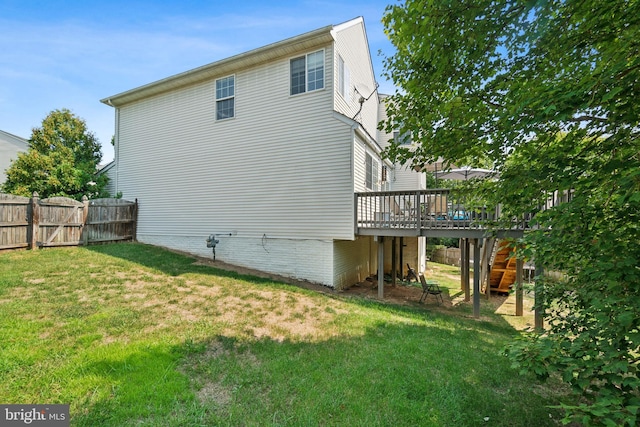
<point>430,288</point>
<point>411,274</point>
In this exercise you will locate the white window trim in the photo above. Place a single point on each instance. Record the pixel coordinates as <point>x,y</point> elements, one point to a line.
<point>374,172</point>
<point>306,72</point>
<point>344,79</point>
<point>215,89</point>
<point>402,139</point>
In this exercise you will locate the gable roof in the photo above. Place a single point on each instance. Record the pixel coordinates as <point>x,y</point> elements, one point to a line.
<point>18,142</point>
<point>287,47</point>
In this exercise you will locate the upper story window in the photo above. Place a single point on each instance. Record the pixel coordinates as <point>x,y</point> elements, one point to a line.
<point>402,139</point>
<point>307,73</point>
<point>225,98</point>
<point>343,79</point>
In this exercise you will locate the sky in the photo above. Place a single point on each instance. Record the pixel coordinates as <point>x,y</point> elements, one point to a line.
<point>70,54</point>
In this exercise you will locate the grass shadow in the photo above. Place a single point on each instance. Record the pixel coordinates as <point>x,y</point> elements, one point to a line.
<point>169,262</point>
<point>221,354</point>
<point>393,374</point>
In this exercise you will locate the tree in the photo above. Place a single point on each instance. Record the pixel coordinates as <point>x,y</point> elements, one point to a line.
<point>549,92</point>
<point>61,160</point>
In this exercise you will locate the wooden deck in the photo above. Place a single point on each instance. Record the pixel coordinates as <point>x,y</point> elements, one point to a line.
<point>430,213</point>
<point>443,213</point>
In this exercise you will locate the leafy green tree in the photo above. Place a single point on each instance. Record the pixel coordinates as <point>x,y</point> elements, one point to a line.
<point>61,161</point>
<point>549,92</point>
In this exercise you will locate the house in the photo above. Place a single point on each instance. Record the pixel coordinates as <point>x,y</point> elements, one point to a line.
<point>266,150</point>
<point>10,146</point>
<point>106,170</point>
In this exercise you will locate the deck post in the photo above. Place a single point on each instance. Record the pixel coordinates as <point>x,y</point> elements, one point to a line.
<point>463,256</point>
<point>476,278</point>
<point>394,264</point>
<point>380,267</point>
<point>519,292</point>
<point>539,320</point>
<point>418,209</point>
<point>401,257</point>
<point>467,269</point>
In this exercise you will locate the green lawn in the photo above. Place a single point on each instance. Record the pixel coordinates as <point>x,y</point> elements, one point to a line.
<point>131,334</point>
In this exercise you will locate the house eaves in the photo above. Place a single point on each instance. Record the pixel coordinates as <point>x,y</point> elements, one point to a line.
<point>284,48</point>
<point>19,142</point>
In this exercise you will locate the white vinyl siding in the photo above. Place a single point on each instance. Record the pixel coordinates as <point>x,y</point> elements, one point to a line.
<point>407,179</point>
<point>280,176</point>
<point>281,169</point>
<point>401,177</point>
<point>10,147</point>
<point>367,167</point>
<point>352,47</point>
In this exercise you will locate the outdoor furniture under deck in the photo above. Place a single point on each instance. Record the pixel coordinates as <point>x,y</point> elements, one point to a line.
<point>433,213</point>
<point>430,287</point>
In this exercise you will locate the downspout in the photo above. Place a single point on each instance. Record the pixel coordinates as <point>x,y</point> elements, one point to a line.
<point>353,176</point>
<point>116,146</point>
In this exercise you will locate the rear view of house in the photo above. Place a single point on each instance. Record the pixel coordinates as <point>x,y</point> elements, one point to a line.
<point>264,149</point>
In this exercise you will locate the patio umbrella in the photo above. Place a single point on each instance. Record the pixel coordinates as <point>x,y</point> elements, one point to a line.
<point>466,172</point>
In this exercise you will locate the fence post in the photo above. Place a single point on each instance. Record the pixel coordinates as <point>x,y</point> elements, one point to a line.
<point>85,216</point>
<point>34,220</point>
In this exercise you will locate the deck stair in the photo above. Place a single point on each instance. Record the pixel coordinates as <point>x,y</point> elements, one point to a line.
<point>503,269</point>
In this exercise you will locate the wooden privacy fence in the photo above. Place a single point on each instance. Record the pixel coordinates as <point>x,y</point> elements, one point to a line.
<point>60,221</point>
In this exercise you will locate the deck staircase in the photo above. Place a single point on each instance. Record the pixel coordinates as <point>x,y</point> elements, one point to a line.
<point>503,269</point>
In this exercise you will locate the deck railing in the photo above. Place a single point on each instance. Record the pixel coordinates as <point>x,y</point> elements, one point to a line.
<point>422,211</point>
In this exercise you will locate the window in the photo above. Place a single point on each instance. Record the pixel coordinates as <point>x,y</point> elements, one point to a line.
<point>371,166</point>
<point>225,98</point>
<point>343,79</point>
<point>404,139</point>
<point>307,73</point>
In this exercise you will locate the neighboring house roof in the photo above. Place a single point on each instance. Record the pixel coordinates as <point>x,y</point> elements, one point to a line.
<point>10,146</point>
<point>105,168</point>
<point>215,69</point>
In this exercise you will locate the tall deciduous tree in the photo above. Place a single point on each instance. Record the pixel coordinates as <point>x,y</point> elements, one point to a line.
<point>62,160</point>
<point>549,91</point>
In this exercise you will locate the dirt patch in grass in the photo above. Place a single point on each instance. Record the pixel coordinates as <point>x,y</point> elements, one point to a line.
<point>208,389</point>
<point>397,294</point>
<point>400,293</point>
